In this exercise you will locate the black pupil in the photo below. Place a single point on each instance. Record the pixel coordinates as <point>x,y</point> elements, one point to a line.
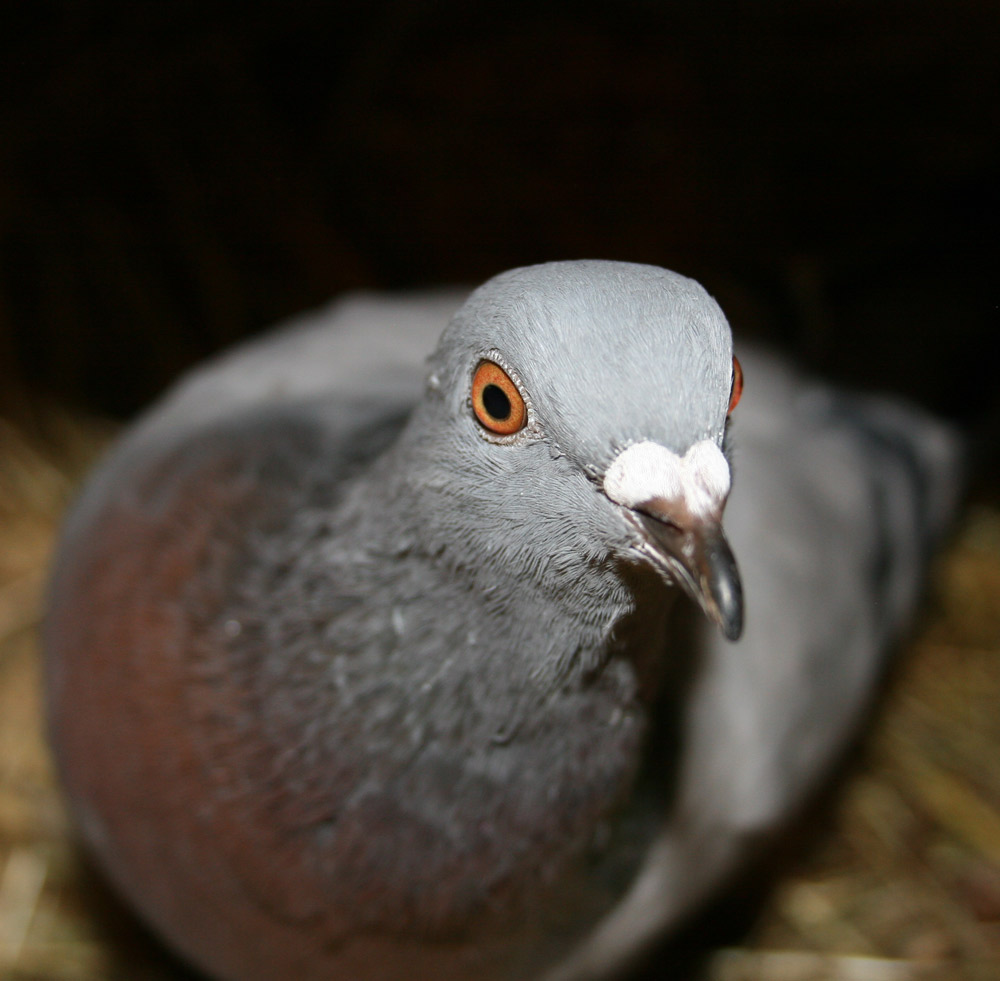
<point>496,402</point>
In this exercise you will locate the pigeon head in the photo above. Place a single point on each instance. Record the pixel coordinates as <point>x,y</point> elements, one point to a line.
<point>579,409</point>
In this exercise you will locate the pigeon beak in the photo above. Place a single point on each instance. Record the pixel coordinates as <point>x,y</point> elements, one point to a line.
<point>675,503</point>
<point>697,556</point>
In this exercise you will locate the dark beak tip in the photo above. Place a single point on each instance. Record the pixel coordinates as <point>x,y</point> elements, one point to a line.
<point>712,577</point>
<point>732,629</point>
<point>725,590</point>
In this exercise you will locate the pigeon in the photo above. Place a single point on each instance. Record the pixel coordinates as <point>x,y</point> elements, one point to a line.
<point>495,664</point>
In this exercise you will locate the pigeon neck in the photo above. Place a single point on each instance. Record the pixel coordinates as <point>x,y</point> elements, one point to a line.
<point>435,554</point>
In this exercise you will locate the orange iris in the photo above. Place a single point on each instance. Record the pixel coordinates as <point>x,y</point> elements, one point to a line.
<point>497,403</point>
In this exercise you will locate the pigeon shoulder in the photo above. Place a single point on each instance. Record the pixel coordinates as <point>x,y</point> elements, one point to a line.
<point>838,502</point>
<point>355,363</point>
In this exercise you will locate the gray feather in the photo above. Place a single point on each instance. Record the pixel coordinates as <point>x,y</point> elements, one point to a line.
<point>426,667</point>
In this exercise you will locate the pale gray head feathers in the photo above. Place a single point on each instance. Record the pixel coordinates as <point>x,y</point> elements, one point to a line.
<point>609,354</point>
<point>626,371</point>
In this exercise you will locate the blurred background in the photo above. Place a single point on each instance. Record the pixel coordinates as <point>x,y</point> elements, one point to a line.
<point>174,177</point>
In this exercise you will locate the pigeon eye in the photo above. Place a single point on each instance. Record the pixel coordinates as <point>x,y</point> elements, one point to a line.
<point>497,403</point>
<point>737,387</point>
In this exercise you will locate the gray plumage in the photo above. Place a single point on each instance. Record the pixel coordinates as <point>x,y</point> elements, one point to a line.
<point>343,685</point>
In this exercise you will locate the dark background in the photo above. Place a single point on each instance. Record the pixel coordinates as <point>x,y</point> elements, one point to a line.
<point>176,176</point>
